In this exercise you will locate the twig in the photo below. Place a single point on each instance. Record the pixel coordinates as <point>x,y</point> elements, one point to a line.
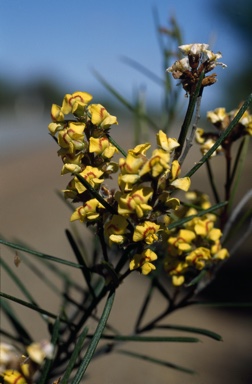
<point>189,141</point>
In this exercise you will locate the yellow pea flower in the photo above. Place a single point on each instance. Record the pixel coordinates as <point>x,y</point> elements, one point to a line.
<point>57,113</point>
<point>176,269</point>
<point>72,102</point>
<point>217,116</point>
<point>11,376</point>
<point>147,232</point>
<point>92,175</point>
<point>222,254</point>
<point>165,142</point>
<point>56,127</point>
<point>87,212</point>
<point>70,168</point>
<point>158,163</point>
<point>182,183</point>
<point>102,146</point>
<point>72,137</point>
<point>135,201</point>
<point>182,242</point>
<point>38,351</point>
<point>199,257</point>
<point>101,117</point>
<point>115,229</point>
<point>143,261</point>
<point>199,136</point>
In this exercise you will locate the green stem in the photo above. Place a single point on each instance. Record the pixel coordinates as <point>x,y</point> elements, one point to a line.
<point>218,142</point>
<point>212,183</point>
<point>188,117</point>
<point>96,338</point>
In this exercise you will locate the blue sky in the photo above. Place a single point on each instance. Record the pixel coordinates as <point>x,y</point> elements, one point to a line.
<point>66,39</point>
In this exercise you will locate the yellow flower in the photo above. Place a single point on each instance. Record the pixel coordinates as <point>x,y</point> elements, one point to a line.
<point>56,127</point>
<point>146,231</point>
<point>165,142</point>
<point>182,183</point>
<point>72,102</point>
<point>198,257</point>
<point>199,136</point>
<point>102,146</point>
<point>198,198</point>
<point>175,268</point>
<point>131,165</point>
<point>222,254</point>
<point>72,158</point>
<point>203,227</point>
<point>11,376</point>
<point>158,163</point>
<point>115,229</point>
<point>72,137</point>
<point>217,116</point>
<point>135,201</point>
<point>101,117</point>
<point>92,175</point>
<point>134,159</point>
<point>208,145</point>
<point>178,280</point>
<point>126,182</point>
<point>175,170</point>
<point>39,351</point>
<point>56,113</point>
<point>182,242</point>
<point>87,211</point>
<point>143,261</point>
<point>70,168</point>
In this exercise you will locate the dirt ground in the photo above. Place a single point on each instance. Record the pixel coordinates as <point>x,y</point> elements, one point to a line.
<point>31,212</point>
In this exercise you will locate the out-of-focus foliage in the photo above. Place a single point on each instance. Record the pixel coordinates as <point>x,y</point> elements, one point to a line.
<point>238,15</point>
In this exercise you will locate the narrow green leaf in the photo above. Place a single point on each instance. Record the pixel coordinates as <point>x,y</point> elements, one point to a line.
<point>185,328</point>
<point>40,274</point>
<point>40,254</point>
<point>48,362</point>
<point>218,142</point>
<point>32,306</point>
<point>23,335</point>
<point>17,281</point>
<point>155,361</point>
<point>85,270</point>
<point>51,266</point>
<point>74,356</point>
<point>212,182</point>
<point>95,340</point>
<point>144,306</point>
<point>150,339</point>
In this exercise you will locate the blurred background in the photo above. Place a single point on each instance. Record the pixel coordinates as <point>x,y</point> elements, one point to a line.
<point>52,48</point>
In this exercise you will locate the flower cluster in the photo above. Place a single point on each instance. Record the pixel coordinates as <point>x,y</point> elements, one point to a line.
<point>136,215</point>
<point>198,59</point>
<point>17,368</point>
<point>196,245</point>
<point>221,120</point>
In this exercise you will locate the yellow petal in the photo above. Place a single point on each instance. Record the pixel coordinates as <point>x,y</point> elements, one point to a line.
<point>182,183</point>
